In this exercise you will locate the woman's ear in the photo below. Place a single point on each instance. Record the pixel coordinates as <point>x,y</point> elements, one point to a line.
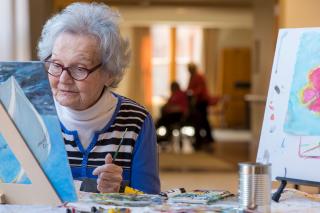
<point>108,79</point>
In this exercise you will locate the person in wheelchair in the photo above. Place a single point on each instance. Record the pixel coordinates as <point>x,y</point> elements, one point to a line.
<point>172,113</point>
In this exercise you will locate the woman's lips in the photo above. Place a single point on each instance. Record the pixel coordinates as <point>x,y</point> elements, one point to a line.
<point>67,92</point>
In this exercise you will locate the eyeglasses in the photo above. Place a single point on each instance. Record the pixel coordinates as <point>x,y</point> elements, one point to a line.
<point>77,73</point>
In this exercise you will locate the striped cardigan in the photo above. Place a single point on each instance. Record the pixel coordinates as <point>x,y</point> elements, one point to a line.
<point>138,152</point>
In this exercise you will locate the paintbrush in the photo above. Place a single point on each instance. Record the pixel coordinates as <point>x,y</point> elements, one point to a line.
<point>116,153</point>
<point>90,184</point>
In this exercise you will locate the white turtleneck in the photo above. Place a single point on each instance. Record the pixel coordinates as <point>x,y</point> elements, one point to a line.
<point>87,122</point>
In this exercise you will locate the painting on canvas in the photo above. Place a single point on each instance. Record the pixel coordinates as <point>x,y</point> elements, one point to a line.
<point>26,95</point>
<point>290,136</point>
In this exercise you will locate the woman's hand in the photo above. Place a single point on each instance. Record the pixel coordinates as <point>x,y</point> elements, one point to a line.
<point>109,176</point>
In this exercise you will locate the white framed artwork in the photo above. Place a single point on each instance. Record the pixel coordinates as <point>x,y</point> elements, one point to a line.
<point>290,135</point>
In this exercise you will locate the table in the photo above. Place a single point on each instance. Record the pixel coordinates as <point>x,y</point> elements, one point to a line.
<point>290,202</point>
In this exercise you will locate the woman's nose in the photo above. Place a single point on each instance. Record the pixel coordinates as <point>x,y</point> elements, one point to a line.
<point>66,77</point>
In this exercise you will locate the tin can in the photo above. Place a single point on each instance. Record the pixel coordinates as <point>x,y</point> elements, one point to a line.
<point>254,187</point>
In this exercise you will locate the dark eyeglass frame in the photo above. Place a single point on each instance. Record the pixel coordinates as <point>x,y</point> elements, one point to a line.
<point>88,71</point>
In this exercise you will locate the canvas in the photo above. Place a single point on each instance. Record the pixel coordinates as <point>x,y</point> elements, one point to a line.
<point>291,132</point>
<point>29,116</point>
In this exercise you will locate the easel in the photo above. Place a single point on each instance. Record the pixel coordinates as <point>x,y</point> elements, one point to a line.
<point>276,196</point>
<point>1,198</point>
<point>40,191</point>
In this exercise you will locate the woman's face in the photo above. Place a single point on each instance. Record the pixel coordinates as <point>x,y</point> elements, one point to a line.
<point>81,51</point>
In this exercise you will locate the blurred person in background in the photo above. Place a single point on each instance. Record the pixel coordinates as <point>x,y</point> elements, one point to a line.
<point>174,111</point>
<point>199,101</point>
<point>86,57</point>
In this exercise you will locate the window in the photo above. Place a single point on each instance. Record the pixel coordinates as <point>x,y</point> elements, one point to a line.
<point>188,46</point>
<point>160,61</point>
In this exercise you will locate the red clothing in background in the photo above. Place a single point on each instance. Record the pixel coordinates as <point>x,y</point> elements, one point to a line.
<point>197,85</point>
<point>178,102</point>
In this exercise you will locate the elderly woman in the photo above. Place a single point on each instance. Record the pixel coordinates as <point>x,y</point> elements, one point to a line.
<point>85,58</point>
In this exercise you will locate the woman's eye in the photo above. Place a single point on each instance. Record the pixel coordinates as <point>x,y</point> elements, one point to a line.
<point>81,69</point>
<point>55,65</point>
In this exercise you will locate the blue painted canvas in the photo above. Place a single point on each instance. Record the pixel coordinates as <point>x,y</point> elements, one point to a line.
<point>304,100</point>
<point>26,95</point>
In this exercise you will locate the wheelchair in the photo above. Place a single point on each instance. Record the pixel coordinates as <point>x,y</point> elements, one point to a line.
<point>173,129</point>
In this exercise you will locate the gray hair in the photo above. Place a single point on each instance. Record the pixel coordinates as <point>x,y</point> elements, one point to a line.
<point>95,19</point>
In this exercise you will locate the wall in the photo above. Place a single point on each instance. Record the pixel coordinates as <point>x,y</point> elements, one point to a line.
<point>209,17</point>
<point>297,13</point>
<point>263,51</point>
<point>39,11</point>
<point>231,38</point>
<point>237,37</point>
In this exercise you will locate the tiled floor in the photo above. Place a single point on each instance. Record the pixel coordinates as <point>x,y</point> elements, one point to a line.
<point>199,180</point>
<point>203,170</point>
<point>231,135</point>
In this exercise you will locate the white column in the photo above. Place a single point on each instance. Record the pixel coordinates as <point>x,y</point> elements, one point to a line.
<point>15,33</point>
<point>22,30</point>
<point>6,35</point>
